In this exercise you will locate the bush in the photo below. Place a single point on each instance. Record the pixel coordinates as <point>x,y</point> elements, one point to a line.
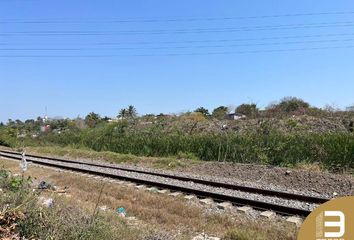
<point>289,105</point>
<point>249,110</point>
<point>220,112</point>
<point>5,138</point>
<point>21,216</point>
<point>203,111</point>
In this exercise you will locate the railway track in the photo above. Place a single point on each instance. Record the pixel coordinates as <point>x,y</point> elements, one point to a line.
<point>184,184</point>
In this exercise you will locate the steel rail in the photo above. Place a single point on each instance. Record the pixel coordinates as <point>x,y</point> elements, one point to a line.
<point>281,194</point>
<point>259,205</point>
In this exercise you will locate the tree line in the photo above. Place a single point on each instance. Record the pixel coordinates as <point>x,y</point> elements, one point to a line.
<point>286,106</point>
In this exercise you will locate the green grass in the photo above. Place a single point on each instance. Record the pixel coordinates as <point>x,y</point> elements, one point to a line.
<point>182,160</point>
<point>332,151</point>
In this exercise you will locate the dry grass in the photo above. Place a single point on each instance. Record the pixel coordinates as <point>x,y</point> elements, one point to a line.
<point>311,167</point>
<point>22,216</point>
<point>161,212</point>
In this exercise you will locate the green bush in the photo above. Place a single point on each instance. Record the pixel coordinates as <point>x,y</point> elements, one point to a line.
<point>250,110</point>
<point>289,105</point>
<point>6,140</point>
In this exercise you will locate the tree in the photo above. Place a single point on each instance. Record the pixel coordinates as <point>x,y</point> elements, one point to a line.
<point>220,112</point>
<point>29,121</point>
<point>39,119</point>
<point>18,122</point>
<point>122,113</point>
<point>131,111</point>
<point>203,111</point>
<point>92,119</point>
<point>249,110</point>
<point>289,105</point>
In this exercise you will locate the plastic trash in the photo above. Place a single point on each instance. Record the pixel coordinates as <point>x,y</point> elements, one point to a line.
<point>103,208</point>
<point>23,164</point>
<point>44,185</point>
<point>121,211</point>
<point>48,202</point>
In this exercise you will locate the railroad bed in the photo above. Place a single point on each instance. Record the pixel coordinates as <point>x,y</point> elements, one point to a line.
<point>281,202</point>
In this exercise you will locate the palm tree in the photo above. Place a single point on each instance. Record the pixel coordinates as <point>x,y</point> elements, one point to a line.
<point>122,113</point>
<point>131,111</point>
<point>92,119</point>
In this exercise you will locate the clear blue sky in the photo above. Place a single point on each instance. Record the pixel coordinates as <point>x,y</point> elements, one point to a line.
<point>171,56</point>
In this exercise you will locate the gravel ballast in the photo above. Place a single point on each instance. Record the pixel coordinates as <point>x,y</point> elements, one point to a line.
<point>297,181</point>
<point>191,185</point>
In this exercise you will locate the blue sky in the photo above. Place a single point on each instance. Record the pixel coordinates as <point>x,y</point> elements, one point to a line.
<point>171,56</point>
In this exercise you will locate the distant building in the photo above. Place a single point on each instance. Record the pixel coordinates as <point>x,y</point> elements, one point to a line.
<point>235,116</point>
<point>115,119</point>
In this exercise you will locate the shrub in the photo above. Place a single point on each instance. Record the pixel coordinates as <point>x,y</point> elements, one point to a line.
<point>289,105</point>
<point>203,111</point>
<point>92,119</point>
<point>249,110</point>
<point>21,216</point>
<point>220,112</point>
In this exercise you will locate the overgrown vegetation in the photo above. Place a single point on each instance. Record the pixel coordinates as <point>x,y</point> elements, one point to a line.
<point>332,151</point>
<point>22,217</point>
<point>181,160</point>
<point>288,133</point>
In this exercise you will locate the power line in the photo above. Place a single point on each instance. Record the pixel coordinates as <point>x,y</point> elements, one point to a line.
<point>179,47</point>
<point>180,54</point>
<point>205,41</point>
<point>190,19</point>
<point>182,31</point>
